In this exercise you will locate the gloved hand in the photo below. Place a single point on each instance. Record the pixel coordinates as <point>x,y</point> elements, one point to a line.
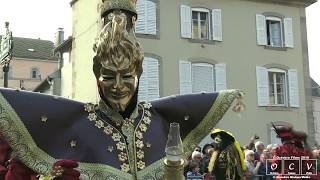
<point>63,170</point>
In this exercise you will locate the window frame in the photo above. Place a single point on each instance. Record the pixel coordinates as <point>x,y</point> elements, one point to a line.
<point>286,89</point>
<point>208,22</point>
<point>269,39</point>
<point>37,70</point>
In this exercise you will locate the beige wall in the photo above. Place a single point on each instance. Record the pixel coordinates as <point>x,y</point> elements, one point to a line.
<point>316,115</point>
<point>21,71</point>
<point>239,50</point>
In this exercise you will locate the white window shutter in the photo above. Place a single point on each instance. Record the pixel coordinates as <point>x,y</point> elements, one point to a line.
<point>261,29</point>
<point>262,86</point>
<point>293,88</point>
<point>149,80</point>
<point>288,32</point>
<point>202,78</point>
<point>216,25</point>
<point>153,79</point>
<point>185,77</point>
<point>221,77</point>
<point>185,15</point>
<point>141,21</point>
<point>151,25</point>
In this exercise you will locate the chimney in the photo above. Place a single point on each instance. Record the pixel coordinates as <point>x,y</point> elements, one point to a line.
<point>59,37</point>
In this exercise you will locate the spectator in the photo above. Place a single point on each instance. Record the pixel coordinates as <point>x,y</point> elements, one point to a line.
<point>206,151</point>
<point>259,147</point>
<point>261,166</point>
<point>196,156</point>
<point>194,169</point>
<point>251,169</point>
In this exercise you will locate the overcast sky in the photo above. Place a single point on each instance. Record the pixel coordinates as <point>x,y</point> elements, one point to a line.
<point>41,18</point>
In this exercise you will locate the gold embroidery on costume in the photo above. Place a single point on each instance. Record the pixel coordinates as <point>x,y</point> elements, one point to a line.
<point>135,154</point>
<point>44,119</point>
<point>73,143</point>
<point>216,112</point>
<point>39,161</point>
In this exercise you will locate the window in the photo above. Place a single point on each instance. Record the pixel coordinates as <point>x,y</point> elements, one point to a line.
<point>149,80</point>
<point>201,77</point>
<point>147,17</point>
<point>277,87</point>
<point>274,31</point>
<point>201,23</point>
<point>35,73</point>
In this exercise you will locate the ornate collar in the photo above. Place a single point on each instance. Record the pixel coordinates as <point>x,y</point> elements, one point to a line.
<point>113,115</point>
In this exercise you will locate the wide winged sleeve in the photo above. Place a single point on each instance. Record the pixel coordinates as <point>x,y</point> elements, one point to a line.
<point>197,114</point>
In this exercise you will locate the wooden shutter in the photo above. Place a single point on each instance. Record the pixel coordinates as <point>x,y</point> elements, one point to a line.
<point>151,20</point>
<point>288,32</point>
<point>293,88</point>
<point>221,77</point>
<point>202,78</point>
<point>141,21</point>
<point>261,29</point>
<point>149,80</point>
<point>216,25</point>
<point>262,86</point>
<point>185,15</point>
<point>185,77</point>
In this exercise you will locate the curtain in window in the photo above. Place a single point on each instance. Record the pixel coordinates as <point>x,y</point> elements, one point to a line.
<point>275,33</point>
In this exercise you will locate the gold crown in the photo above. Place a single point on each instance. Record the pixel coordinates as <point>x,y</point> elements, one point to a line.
<point>127,5</point>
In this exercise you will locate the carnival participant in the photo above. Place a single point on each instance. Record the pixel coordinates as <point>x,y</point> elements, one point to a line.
<point>287,149</point>
<point>118,138</point>
<point>227,161</point>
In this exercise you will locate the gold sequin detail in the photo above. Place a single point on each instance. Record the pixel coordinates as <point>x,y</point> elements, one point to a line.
<point>116,136</point>
<point>122,156</point>
<point>148,145</point>
<point>107,130</point>
<point>44,119</point>
<point>139,144</point>
<point>110,148</point>
<point>147,120</point>
<point>121,146</point>
<point>143,127</point>
<point>139,135</point>
<point>141,164</point>
<point>147,105</point>
<point>140,154</point>
<point>99,124</point>
<point>89,107</point>
<point>92,117</point>
<point>73,143</point>
<point>125,167</point>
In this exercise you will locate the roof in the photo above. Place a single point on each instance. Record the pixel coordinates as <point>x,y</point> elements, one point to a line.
<point>315,88</point>
<point>289,2</point>
<point>65,46</point>
<point>33,49</point>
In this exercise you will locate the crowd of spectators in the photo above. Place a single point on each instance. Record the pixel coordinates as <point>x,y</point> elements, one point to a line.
<point>256,156</point>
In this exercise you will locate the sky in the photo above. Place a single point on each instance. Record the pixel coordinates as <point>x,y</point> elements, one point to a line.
<point>42,18</point>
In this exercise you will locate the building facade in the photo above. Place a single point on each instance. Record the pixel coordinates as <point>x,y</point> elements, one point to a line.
<point>32,62</point>
<point>316,109</point>
<point>197,46</point>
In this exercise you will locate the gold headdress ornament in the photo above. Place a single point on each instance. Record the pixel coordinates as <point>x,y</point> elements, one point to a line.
<point>127,5</point>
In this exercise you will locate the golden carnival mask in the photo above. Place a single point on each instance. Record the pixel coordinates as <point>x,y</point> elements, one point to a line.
<point>118,60</point>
